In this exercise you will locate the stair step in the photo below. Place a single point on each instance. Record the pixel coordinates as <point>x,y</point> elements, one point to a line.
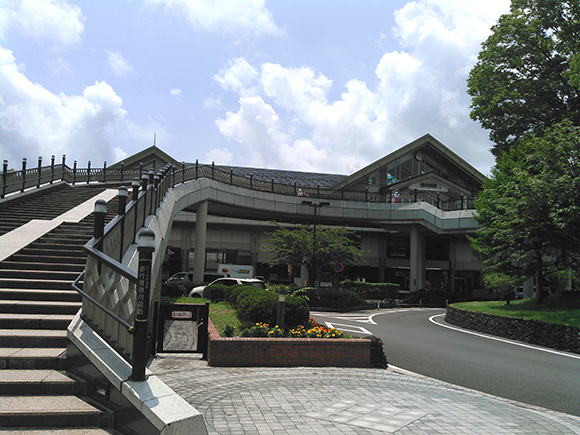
<point>50,411</point>
<point>35,382</point>
<point>53,266</point>
<point>32,358</point>
<point>35,321</point>
<point>38,275</point>
<point>23,258</point>
<point>39,307</point>
<point>59,431</point>
<point>33,338</point>
<point>47,284</point>
<point>69,295</point>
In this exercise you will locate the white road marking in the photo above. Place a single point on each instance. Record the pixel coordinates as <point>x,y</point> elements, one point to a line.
<point>503,340</point>
<point>349,328</point>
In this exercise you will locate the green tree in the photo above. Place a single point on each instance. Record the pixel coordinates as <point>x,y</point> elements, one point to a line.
<point>298,246</point>
<point>529,209</point>
<point>527,76</point>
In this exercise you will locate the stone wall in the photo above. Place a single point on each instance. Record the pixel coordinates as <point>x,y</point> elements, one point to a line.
<point>561,337</point>
<point>287,352</point>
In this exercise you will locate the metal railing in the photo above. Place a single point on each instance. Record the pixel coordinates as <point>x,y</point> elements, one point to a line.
<point>20,180</point>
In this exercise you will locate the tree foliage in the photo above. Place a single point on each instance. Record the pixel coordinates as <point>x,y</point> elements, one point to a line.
<point>527,76</point>
<point>296,246</point>
<point>529,209</point>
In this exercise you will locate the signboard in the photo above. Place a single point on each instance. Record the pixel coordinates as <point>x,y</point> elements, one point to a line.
<point>236,270</point>
<point>338,267</point>
<point>181,314</point>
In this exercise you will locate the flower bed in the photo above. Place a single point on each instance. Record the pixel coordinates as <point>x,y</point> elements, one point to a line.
<point>287,352</point>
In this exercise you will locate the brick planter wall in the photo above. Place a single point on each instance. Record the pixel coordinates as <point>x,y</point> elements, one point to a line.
<point>286,352</point>
<point>561,337</point>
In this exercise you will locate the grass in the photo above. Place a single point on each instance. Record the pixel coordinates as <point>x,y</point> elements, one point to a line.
<point>220,313</point>
<point>560,308</point>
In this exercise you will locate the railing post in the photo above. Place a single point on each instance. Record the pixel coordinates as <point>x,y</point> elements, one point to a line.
<point>295,189</point>
<point>88,171</point>
<point>51,169</point>
<point>438,204</point>
<point>39,171</point>
<point>196,170</point>
<point>122,170</point>
<point>366,193</point>
<point>251,181</point>
<point>63,165</point>
<point>318,190</point>
<point>4,177</point>
<point>156,200</point>
<point>144,181</point>
<point>462,201</point>
<point>23,173</point>
<point>231,177</point>
<point>390,195</point>
<point>100,213</point>
<point>123,193</point>
<point>151,175</point>
<point>74,172</point>
<point>135,191</point>
<point>141,323</point>
<point>105,171</point>
<point>140,170</point>
<point>415,195</point>
<point>272,185</point>
<point>341,192</point>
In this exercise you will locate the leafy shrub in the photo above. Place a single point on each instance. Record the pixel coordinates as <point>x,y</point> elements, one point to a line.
<point>228,331</point>
<point>173,290</point>
<point>334,298</point>
<point>215,293</point>
<point>261,306</point>
<point>370,290</point>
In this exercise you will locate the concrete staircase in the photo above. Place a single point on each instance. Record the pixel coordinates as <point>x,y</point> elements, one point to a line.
<point>36,305</point>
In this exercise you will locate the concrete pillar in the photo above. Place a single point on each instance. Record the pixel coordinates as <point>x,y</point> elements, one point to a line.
<point>417,262</point>
<point>200,242</point>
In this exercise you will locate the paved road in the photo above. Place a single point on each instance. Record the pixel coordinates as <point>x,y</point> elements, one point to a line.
<point>522,373</point>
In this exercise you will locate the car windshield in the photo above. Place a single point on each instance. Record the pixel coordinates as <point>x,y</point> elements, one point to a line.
<point>256,284</point>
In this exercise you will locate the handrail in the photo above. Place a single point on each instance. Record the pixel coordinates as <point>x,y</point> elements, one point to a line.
<point>103,308</point>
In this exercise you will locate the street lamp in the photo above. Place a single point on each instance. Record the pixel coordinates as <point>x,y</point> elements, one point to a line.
<point>315,206</point>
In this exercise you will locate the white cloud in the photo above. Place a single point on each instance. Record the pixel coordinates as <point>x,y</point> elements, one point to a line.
<point>229,16</point>
<point>44,124</point>
<point>238,76</point>
<point>53,20</point>
<point>118,63</point>
<point>175,92</point>
<point>420,89</point>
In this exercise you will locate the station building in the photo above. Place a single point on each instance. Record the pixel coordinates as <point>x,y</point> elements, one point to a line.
<point>412,209</point>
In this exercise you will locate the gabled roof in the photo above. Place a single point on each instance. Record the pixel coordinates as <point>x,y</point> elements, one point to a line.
<point>451,159</point>
<point>150,157</point>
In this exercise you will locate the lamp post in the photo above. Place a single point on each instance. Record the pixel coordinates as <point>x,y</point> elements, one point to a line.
<point>315,206</point>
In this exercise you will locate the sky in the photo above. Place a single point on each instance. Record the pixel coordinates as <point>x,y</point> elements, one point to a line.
<point>308,85</point>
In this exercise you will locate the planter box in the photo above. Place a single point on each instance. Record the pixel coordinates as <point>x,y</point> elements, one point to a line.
<point>286,352</point>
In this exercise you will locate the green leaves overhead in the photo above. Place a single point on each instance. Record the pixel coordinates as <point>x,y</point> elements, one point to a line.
<point>527,76</point>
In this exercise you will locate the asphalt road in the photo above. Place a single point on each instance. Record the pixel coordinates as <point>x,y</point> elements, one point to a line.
<point>532,375</point>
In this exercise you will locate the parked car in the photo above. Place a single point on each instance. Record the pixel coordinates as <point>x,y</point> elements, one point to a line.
<point>197,292</point>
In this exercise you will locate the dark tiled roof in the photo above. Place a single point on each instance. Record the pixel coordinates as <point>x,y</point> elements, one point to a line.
<point>305,179</point>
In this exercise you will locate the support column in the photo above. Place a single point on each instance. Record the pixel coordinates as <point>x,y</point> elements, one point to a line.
<point>417,262</point>
<point>200,242</point>
<point>529,288</point>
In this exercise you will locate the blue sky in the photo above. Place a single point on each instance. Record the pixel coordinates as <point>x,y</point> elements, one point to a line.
<point>307,85</point>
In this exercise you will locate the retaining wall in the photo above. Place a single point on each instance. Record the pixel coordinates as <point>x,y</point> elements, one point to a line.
<point>286,352</point>
<point>561,337</point>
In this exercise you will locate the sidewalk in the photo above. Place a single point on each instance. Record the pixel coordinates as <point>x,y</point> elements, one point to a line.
<point>331,401</point>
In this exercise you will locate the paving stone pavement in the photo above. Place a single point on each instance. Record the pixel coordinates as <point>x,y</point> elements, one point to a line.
<point>344,401</point>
